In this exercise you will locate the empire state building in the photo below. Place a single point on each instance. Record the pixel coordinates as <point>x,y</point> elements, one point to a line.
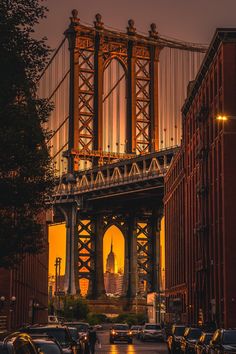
<point>112,278</point>
<point>111,265</point>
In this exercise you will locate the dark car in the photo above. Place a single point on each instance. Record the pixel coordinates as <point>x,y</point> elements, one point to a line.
<point>120,332</point>
<point>82,341</point>
<point>60,333</point>
<point>223,341</point>
<point>202,345</point>
<point>189,340</point>
<point>174,339</point>
<point>82,330</point>
<point>47,345</point>
<point>18,343</point>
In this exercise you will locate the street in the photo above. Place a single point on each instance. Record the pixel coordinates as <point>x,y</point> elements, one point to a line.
<point>136,347</point>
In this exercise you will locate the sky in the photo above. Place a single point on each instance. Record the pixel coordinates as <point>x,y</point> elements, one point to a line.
<point>188,20</point>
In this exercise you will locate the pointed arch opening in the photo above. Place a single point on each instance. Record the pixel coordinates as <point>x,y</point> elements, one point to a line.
<point>114,107</point>
<point>113,260</point>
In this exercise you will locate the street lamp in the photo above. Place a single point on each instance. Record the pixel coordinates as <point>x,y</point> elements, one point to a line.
<point>224,117</point>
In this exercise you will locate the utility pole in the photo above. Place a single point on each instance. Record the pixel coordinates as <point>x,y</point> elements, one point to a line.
<point>158,296</point>
<point>57,279</point>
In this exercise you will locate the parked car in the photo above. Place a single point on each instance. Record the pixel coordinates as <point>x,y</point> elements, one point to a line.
<point>202,345</point>
<point>60,333</point>
<point>82,327</point>
<point>152,331</point>
<point>82,330</point>
<point>189,340</point>
<point>223,341</point>
<point>120,332</point>
<point>19,343</point>
<point>136,331</point>
<point>174,339</point>
<point>47,345</point>
<point>82,341</point>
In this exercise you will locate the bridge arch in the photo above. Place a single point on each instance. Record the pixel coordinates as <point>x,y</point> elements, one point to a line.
<point>114,105</point>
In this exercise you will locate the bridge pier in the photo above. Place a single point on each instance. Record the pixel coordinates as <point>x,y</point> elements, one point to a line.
<point>132,270</point>
<point>84,252</point>
<point>71,284</point>
<point>98,284</point>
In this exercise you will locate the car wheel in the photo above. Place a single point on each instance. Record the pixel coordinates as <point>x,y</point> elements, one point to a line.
<point>111,341</point>
<point>130,341</point>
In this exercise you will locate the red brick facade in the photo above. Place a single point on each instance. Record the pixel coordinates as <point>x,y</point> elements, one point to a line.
<point>28,283</point>
<point>209,197</point>
<point>174,236</point>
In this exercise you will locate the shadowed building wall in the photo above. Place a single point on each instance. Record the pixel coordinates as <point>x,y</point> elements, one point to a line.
<point>209,191</point>
<point>28,283</point>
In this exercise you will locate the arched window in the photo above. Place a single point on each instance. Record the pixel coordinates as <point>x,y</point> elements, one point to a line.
<point>113,253</point>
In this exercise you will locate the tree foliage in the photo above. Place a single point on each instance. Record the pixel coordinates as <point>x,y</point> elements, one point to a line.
<point>75,308</point>
<point>25,173</point>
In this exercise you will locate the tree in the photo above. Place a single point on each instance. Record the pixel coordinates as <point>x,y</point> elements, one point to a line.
<point>26,177</point>
<point>75,308</point>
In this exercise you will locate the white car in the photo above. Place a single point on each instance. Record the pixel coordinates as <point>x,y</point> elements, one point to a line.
<point>152,331</point>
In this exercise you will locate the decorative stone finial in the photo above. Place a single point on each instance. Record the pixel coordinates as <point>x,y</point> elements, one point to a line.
<point>131,29</point>
<point>98,21</point>
<point>153,30</point>
<point>74,19</point>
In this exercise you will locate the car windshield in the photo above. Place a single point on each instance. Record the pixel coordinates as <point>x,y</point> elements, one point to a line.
<point>179,331</point>
<point>229,337</point>
<point>121,327</point>
<point>73,333</point>
<point>135,327</point>
<point>48,348</point>
<point>194,333</point>
<point>155,327</point>
<point>82,327</point>
<point>60,334</point>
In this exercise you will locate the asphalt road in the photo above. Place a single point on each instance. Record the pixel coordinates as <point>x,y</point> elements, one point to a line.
<point>137,346</point>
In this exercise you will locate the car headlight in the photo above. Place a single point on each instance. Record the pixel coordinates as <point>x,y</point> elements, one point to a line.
<point>113,332</point>
<point>130,333</point>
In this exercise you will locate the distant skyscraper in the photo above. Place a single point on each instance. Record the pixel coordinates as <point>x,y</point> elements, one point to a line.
<point>111,264</point>
<point>113,279</point>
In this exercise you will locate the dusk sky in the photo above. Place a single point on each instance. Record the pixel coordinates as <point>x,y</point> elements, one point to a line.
<point>189,20</point>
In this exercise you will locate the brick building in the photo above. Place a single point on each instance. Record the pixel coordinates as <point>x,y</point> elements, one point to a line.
<point>208,243</point>
<point>175,267</point>
<point>24,292</point>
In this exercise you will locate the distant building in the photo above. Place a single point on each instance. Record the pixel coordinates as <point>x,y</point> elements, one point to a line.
<point>113,280</point>
<point>24,291</point>
<point>111,263</point>
<point>200,195</point>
